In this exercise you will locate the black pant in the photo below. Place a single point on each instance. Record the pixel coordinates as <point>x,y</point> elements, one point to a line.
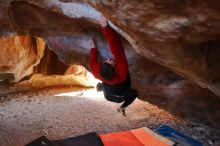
<point>119,93</point>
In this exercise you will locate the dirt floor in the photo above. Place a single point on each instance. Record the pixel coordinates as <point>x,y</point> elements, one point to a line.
<point>64,112</point>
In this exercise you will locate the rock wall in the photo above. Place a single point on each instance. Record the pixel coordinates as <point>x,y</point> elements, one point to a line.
<point>181,35</point>
<point>52,72</point>
<point>19,54</point>
<point>50,64</point>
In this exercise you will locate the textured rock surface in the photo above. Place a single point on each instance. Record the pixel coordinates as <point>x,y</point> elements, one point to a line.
<point>52,72</point>
<point>167,43</point>
<point>178,35</point>
<point>5,25</point>
<point>19,54</point>
<point>181,35</point>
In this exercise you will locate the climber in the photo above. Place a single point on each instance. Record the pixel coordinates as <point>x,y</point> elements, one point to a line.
<point>113,73</point>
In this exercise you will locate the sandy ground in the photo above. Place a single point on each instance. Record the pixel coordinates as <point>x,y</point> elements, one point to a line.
<point>60,113</point>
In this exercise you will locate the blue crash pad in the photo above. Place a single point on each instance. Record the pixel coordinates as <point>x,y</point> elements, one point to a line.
<point>177,137</point>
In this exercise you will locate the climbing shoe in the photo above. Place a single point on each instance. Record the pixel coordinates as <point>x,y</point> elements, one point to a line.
<point>99,87</point>
<point>121,110</point>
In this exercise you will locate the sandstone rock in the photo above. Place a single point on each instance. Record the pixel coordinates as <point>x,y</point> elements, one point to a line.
<point>182,36</point>
<point>19,54</point>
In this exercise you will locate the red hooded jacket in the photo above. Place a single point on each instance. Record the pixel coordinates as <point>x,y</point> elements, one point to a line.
<point>121,63</point>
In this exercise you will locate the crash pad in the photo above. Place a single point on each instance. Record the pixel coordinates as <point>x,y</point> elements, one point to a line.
<point>137,137</point>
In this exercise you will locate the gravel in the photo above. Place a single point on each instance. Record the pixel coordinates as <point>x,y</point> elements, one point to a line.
<point>64,112</point>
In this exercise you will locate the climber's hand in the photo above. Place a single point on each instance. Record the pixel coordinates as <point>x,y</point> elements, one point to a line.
<point>103,21</point>
<point>92,43</point>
